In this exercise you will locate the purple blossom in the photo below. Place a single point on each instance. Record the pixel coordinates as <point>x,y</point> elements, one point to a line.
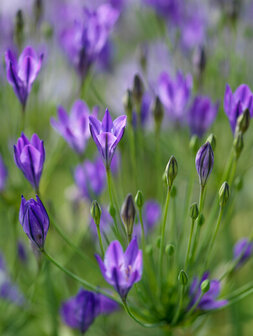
<point>175,94</point>
<point>122,270</point>
<point>167,8</point>
<point>243,250</point>
<point>3,174</point>
<point>236,103</point>
<point>80,311</point>
<point>107,134</point>
<point>204,162</point>
<point>75,127</point>
<point>22,73</point>
<point>35,221</point>
<point>29,156</point>
<point>202,114</point>
<point>209,300</point>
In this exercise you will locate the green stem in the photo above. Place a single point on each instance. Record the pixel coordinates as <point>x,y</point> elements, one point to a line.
<point>194,306</point>
<point>189,246</point>
<point>100,241</point>
<point>179,306</point>
<point>142,227</point>
<point>109,183</point>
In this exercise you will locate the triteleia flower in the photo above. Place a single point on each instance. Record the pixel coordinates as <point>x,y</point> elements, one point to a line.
<point>122,270</point>
<point>22,73</point>
<point>236,103</point>
<point>107,134</point>
<point>80,311</point>
<point>209,300</point>
<point>204,162</point>
<point>29,157</point>
<point>202,114</point>
<point>75,127</point>
<point>35,221</point>
<point>3,174</point>
<point>175,94</point>
<point>243,250</point>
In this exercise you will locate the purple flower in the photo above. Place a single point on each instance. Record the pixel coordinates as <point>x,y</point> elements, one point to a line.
<point>22,73</point>
<point>209,300</point>
<point>80,311</point>
<point>75,127</point>
<point>29,157</point>
<point>202,114</point>
<point>122,270</point>
<point>3,174</point>
<point>34,219</point>
<point>204,162</point>
<point>243,250</point>
<point>175,94</point>
<point>84,39</point>
<point>107,134</point>
<point>236,103</point>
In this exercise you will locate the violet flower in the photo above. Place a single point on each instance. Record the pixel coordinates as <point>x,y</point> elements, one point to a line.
<point>204,162</point>
<point>209,300</point>
<point>80,311</point>
<point>175,94</point>
<point>29,157</point>
<point>3,174</point>
<point>22,73</point>
<point>201,115</point>
<point>35,221</point>
<point>236,103</point>
<point>122,270</point>
<point>107,134</point>
<point>75,127</point>
<point>243,250</point>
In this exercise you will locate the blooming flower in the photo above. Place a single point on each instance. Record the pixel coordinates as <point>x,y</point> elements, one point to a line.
<point>29,157</point>
<point>122,270</point>
<point>175,94</point>
<point>35,221</point>
<point>22,73</point>
<point>107,134</point>
<point>243,250</point>
<point>204,162</point>
<point>236,103</point>
<point>209,300</point>
<point>202,114</point>
<point>80,311</point>
<point>3,174</point>
<point>75,127</point>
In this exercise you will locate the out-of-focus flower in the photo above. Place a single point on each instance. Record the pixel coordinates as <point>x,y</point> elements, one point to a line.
<point>29,157</point>
<point>236,103</point>
<point>35,221</point>
<point>243,250</point>
<point>107,134</point>
<point>122,270</point>
<point>22,73</point>
<point>167,8</point>
<point>80,311</point>
<point>75,127</point>
<point>175,94</point>
<point>202,114</point>
<point>3,174</point>
<point>204,162</point>
<point>209,300</point>
<point>84,39</point>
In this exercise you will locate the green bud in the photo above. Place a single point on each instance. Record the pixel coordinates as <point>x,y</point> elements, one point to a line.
<point>243,122</point>
<point>212,140</point>
<point>128,104</point>
<point>194,211</point>
<point>183,278</point>
<point>170,249</point>
<point>158,113</point>
<point>238,183</point>
<point>138,90</point>
<point>224,194</point>
<point>112,211</point>
<point>149,249</point>
<point>201,220</point>
<point>95,212</point>
<point>139,200</point>
<point>205,286</point>
<point>158,242</point>
<point>128,214</point>
<point>238,144</point>
<point>194,144</point>
<point>171,171</point>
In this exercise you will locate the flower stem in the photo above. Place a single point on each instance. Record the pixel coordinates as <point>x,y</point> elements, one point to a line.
<point>142,226</point>
<point>109,183</point>
<point>189,245</point>
<point>179,306</point>
<point>100,241</point>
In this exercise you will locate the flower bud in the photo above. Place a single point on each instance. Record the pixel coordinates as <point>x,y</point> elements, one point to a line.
<point>128,104</point>
<point>171,171</point>
<point>238,144</point>
<point>243,122</point>
<point>212,140</point>
<point>223,194</point>
<point>205,286</point>
<point>183,278</point>
<point>204,162</point>
<point>128,214</point>
<point>138,90</point>
<point>194,211</point>
<point>158,113</point>
<point>112,211</point>
<point>139,200</point>
<point>170,249</point>
<point>201,220</point>
<point>95,212</point>
<point>193,144</point>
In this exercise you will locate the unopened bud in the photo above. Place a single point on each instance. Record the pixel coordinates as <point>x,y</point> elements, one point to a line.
<point>205,286</point>
<point>173,192</point>
<point>201,220</point>
<point>183,278</point>
<point>138,90</point>
<point>238,144</point>
<point>212,140</point>
<point>204,162</point>
<point>170,249</point>
<point>224,194</point>
<point>139,200</point>
<point>112,211</point>
<point>193,144</point>
<point>194,211</point>
<point>243,122</point>
<point>128,214</point>
<point>171,171</point>
<point>158,113</point>
<point>95,212</point>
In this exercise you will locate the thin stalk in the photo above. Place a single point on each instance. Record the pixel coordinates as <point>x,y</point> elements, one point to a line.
<point>194,306</point>
<point>189,246</point>
<point>100,241</point>
<point>142,227</point>
<point>109,183</point>
<point>179,306</point>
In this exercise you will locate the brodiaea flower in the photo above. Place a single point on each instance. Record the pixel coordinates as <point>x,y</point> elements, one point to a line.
<point>243,250</point>
<point>3,174</point>
<point>202,114</point>
<point>75,127</point>
<point>122,270</point>
<point>236,103</point>
<point>107,134</point>
<point>204,162</point>
<point>34,220</point>
<point>29,157</point>
<point>22,73</point>
<point>80,311</point>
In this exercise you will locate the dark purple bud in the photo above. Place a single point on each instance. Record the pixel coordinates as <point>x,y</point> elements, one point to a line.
<point>204,163</point>
<point>138,90</point>
<point>128,215</point>
<point>34,220</point>
<point>158,113</point>
<point>171,171</point>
